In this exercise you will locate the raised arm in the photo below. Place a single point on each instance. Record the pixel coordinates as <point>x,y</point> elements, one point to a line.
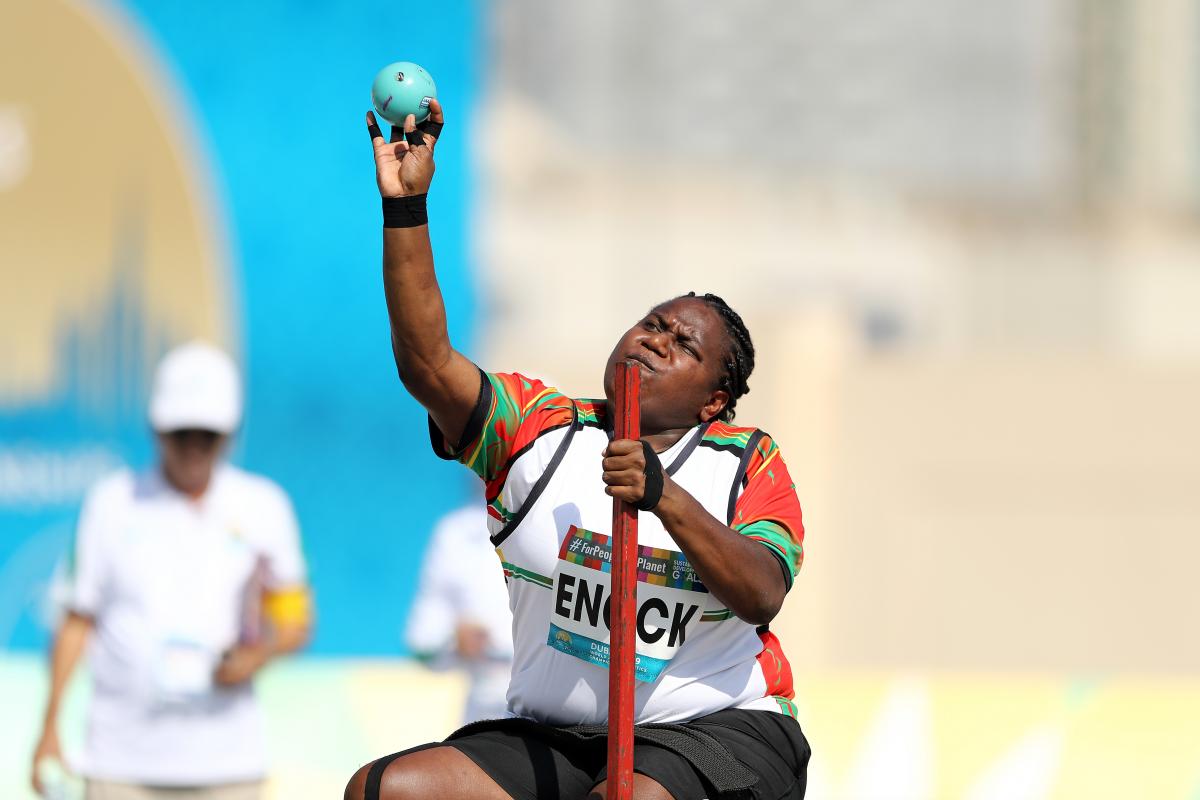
<point>441,379</point>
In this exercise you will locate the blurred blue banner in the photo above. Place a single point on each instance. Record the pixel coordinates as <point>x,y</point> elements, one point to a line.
<point>198,170</point>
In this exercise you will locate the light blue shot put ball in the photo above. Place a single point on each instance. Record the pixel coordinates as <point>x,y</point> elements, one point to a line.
<point>401,89</point>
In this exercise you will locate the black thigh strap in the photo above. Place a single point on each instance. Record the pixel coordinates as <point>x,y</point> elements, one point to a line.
<point>375,773</point>
<point>375,776</point>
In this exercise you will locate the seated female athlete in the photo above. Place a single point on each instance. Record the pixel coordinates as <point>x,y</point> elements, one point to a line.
<point>720,542</point>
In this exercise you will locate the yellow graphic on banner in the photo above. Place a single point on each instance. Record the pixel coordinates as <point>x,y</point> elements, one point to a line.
<point>104,198</point>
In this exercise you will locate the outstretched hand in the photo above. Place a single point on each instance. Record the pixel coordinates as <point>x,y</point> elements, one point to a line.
<point>404,166</point>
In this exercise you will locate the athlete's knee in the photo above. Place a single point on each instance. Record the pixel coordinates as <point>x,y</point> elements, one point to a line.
<point>412,775</point>
<point>356,788</point>
<point>382,779</point>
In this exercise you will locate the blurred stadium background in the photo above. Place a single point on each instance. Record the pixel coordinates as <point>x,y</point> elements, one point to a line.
<point>965,236</point>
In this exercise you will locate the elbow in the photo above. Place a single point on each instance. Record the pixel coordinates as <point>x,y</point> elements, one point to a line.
<point>764,604</point>
<point>406,367</point>
<point>772,593</point>
<point>763,611</point>
<point>292,638</point>
<point>410,375</point>
<point>414,374</point>
<point>757,610</point>
<point>418,371</point>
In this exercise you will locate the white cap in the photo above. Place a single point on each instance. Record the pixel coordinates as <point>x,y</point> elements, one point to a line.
<point>196,386</point>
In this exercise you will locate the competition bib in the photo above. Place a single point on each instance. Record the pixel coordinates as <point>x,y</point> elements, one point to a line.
<point>183,671</point>
<point>670,602</point>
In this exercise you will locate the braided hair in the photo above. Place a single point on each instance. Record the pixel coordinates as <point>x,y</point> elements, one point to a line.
<point>738,360</point>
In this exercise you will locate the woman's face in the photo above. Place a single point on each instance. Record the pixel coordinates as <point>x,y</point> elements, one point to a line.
<point>680,346</point>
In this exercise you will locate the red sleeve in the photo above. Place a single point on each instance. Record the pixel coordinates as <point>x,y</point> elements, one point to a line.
<point>768,510</point>
<point>512,412</point>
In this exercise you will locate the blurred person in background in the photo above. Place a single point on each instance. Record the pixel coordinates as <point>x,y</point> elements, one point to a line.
<point>460,618</point>
<point>184,581</point>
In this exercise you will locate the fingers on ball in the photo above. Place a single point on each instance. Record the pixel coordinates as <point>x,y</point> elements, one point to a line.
<point>373,128</point>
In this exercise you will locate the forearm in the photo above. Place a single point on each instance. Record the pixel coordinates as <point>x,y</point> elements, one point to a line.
<point>69,643</point>
<point>416,310</point>
<point>284,639</point>
<point>434,373</point>
<point>739,572</point>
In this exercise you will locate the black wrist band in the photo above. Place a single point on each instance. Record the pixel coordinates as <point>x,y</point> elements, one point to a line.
<point>405,212</point>
<point>654,480</point>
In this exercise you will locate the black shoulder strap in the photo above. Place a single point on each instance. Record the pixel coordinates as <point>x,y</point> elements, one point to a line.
<point>542,481</point>
<point>751,446</point>
<point>688,448</point>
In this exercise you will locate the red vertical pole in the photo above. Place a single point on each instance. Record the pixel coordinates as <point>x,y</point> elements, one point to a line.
<point>622,644</point>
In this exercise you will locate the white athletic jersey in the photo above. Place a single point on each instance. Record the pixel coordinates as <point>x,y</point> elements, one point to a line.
<point>171,583</point>
<point>693,656</point>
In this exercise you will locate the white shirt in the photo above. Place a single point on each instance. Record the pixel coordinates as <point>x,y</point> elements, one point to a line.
<point>172,583</point>
<point>462,581</point>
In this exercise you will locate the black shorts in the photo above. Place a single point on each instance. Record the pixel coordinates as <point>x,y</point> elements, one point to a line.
<point>530,766</point>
